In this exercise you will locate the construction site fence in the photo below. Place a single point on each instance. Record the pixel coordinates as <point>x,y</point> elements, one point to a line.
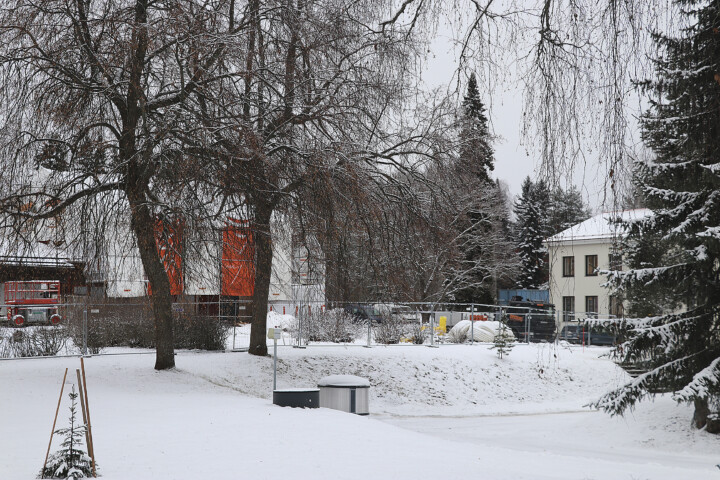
<point>302,324</point>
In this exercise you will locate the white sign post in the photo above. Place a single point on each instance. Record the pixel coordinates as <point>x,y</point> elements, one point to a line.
<point>274,333</point>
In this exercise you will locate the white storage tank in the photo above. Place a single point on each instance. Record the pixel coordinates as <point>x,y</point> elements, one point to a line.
<point>347,393</point>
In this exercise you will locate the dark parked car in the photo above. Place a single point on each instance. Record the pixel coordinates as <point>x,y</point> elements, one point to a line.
<point>579,335</point>
<point>571,333</point>
<point>533,319</point>
<point>363,313</point>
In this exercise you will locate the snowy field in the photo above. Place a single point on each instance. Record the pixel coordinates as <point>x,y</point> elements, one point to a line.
<point>450,412</point>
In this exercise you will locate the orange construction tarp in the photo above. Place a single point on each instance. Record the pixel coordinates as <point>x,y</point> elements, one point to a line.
<point>168,238</point>
<point>238,261</point>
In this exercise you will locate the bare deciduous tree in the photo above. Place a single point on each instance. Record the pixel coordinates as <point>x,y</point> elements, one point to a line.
<point>95,96</point>
<point>319,98</point>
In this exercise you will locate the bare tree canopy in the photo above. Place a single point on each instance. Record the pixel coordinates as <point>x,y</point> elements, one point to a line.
<point>185,110</point>
<point>577,62</point>
<point>95,111</point>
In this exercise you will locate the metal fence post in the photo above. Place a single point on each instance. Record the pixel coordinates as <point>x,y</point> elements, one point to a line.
<point>527,328</point>
<point>274,360</point>
<point>300,324</point>
<point>369,338</point>
<point>234,331</point>
<point>472,324</point>
<point>432,329</point>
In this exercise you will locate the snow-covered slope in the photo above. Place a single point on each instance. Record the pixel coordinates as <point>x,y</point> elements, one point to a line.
<point>211,417</point>
<point>417,380</point>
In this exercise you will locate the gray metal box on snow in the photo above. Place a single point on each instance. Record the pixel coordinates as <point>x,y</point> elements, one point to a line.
<point>297,397</point>
<point>346,393</point>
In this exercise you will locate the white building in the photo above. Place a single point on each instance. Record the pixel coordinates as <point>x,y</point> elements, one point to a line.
<point>219,269</point>
<point>214,274</point>
<point>576,257</point>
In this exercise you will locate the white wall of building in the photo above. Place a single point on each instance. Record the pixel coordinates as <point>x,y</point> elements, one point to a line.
<point>123,271</point>
<point>580,285</point>
<point>595,236</point>
<point>121,266</point>
<point>202,268</point>
<point>281,279</point>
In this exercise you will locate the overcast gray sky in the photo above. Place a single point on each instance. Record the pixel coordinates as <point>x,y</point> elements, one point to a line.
<point>512,164</point>
<point>504,102</point>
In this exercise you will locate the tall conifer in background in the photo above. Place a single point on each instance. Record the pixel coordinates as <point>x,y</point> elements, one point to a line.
<point>485,209</point>
<point>531,228</point>
<point>682,187</point>
<point>567,209</point>
<point>476,153</point>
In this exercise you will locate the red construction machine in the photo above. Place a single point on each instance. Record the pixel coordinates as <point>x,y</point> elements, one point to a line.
<point>32,301</point>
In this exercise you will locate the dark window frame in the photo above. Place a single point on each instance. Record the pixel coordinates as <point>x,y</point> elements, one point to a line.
<point>615,261</point>
<point>589,310</point>
<point>615,306</point>
<point>591,272</point>
<point>567,312</point>
<point>568,262</point>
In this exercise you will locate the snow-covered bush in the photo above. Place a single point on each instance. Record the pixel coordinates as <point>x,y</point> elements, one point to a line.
<point>390,330</point>
<point>98,330</point>
<point>280,320</point>
<point>70,461</point>
<point>335,325</point>
<point>5,346</point>
<point>200,332</point>
<point>37,341</point>
<point>21,344</point>
<point>49,340</point>
<point>416,333</point>
<point>133,326</point>
<point>114,326</point>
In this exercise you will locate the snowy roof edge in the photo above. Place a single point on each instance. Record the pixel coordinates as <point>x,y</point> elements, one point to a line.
<point>599,227</point>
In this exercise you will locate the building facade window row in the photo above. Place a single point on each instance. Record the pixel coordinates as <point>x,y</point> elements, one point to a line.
<point>591,265</point>
<point>591,307</point>
<point>594,245</point>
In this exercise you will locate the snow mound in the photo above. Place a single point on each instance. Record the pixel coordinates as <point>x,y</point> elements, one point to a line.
<point>480,331</point>
<point>280,320</point>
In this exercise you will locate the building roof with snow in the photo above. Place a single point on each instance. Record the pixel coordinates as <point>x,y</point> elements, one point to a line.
<point>603,226</point>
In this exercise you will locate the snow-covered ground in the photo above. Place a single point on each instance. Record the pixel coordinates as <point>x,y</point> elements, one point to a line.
<point>453,411</point>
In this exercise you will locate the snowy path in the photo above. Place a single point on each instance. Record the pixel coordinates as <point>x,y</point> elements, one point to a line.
<point>578,444</point>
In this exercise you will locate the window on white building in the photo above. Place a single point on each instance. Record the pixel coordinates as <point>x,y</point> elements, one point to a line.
<point>616,306</point>
<point>591,306</point>
<point>568,304</point>
<point>591,265</point>
<point>568,266</point>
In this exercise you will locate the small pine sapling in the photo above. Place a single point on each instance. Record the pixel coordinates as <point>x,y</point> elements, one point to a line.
<point>504,337</point>
<point>70,461</point>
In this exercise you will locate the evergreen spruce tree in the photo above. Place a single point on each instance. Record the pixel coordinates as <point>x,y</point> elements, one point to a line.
<point>504,339</point>
<point>70,461</point>
<point>532,209</point>
<point>567,209</point>
<point>486,210</point>
<point>681,185</point>
<point>476,152</point>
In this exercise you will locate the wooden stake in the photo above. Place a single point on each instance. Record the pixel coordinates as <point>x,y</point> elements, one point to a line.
<point>84,415</point>
<point>89,425</point>
<point>52,432</point>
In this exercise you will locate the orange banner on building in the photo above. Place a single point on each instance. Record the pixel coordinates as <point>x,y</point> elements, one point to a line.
<point>238,261</point>
<point>169,241</point>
